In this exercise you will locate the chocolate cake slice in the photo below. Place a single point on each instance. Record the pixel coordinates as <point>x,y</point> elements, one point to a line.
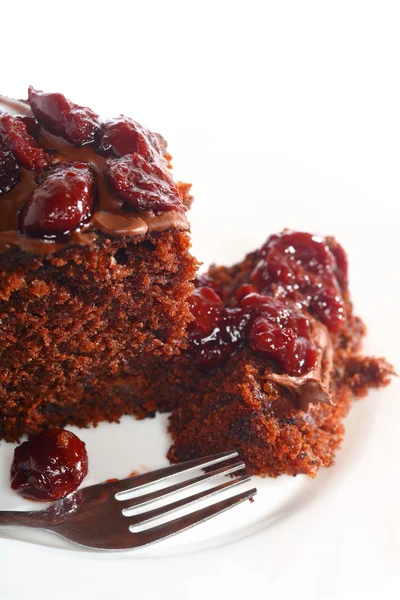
<point>274,359</point>
<point>95,269</point>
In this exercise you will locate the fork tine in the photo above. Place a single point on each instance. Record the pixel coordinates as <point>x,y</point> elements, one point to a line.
<point>150,515</point>
<point>134,483</point>
<point>161,532</point>
<point>167,491</point>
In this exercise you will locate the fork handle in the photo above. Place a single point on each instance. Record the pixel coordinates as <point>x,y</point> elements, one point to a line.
<point>20,518</point>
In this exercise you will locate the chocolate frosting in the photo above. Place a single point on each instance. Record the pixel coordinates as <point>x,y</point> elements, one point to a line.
<point>313,387</point>
<point>110,218</point>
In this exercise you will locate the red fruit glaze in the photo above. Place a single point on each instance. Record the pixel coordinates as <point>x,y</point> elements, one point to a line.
<point>302,267</point>
<point>9,172</point>
<point>281,332</point>
<point>49,466</point>
<point>14,137</point>
<point>206,306</point>
<point>63,201</point>
<point>143,185</point>
<point>244,290</point>
<point>271,327</point>
<point>77,124</point>
<point>216,332</point>
<point>123,136</point>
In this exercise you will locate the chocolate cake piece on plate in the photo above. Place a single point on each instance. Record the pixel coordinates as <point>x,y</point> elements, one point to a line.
<point>274,359</point>
<point>95,269</point>
<point>99,316</point>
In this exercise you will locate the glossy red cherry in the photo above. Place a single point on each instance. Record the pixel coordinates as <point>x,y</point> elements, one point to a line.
<point>302,267</point>
<point>142,184</point>
<point>123,136</point>
<point>49,466</point>
<point>14,137</point>
<point>77,124</point>
<point>206,306</point>
<point>62,202</point>
<point>216,332</point>
<point>281,332</point>
<point>270,327</point>
<point>244,290</point>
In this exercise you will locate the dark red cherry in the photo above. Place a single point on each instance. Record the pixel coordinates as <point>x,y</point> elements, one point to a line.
<point>62,202</point>
<point>49,466</point>
<point>304,268</point>
<point>244,290</point>
<point>281,332</point>
<point>14,137</point>
<point>206,307</point>
<point>123,136</point>
<point>216,332</point>
<point>77,124</point>
<point>142,184</point>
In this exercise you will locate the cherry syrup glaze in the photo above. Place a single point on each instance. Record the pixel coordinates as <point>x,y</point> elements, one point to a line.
<point>217,332</point>
<point>303,268</point>
<point>135,168</point>
<point>271,327</point>
<point>49,466</point>
<point>296,272</point>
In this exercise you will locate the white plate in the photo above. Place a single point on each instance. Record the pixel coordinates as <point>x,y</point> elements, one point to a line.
<point>295,524</point>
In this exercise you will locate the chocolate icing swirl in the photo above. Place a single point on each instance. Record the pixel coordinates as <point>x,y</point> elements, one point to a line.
<point>313,387</point>
<point>110,218</point>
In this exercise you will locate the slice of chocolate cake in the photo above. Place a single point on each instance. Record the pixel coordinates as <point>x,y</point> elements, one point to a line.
<point>274,359</point>
<point>95,269</point>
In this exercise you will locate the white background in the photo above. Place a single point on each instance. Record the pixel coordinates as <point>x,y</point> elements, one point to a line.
<point>283,114</point>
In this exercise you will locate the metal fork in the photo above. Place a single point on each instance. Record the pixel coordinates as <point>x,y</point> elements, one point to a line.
<point>97,516</point>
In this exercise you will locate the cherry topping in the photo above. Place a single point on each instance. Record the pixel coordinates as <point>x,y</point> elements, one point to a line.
<point>271,327</point>
<point>31,124</point>
<point>15,137</point>
<point>302,267</point>
<point>281,332</point>
<point>217,332</point>
<point>143,185</point>
<point>63,201</point>
<point>9,172</point>
<point>207,308</point>
<point>77,124</point>
<point>204,280</point>
<point>244,290</point>
<point>123,136</point>
<point>49,466</point>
